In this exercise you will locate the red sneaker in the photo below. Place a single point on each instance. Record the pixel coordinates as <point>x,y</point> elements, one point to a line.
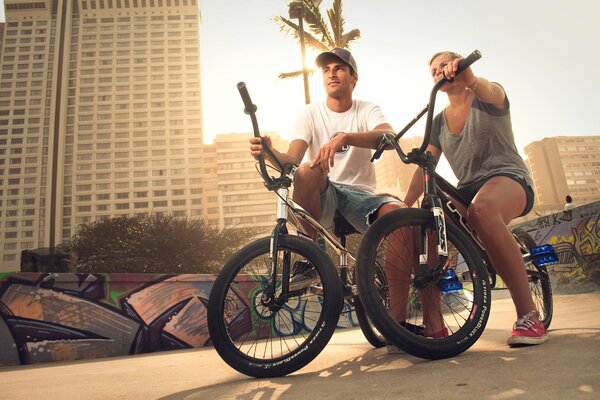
<point>441,334</point>
<point>527,332</point>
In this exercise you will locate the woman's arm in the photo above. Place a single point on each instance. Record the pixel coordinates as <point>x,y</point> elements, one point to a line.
<point>484,90</point>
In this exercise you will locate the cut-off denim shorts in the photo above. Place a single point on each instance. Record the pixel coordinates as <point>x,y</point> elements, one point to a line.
<point>469,191</point>
<point>357,206</point>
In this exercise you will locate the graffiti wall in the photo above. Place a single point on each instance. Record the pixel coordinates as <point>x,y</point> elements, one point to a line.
<point>575,235</point>
<point>63,316</point>
<point>55,317</point>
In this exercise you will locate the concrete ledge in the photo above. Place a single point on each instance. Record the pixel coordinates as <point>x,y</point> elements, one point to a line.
<point>63,316</point>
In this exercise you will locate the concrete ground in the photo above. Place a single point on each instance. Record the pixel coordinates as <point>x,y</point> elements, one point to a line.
<point>566,367</point>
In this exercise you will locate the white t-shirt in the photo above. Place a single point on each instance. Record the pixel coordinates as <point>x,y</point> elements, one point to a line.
<point>317,125</point>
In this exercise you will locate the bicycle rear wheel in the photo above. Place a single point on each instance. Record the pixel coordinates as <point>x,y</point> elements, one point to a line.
<point>267,336</point>
<point>539,281</point>
<point>372,334</point>
<point>435,310</point>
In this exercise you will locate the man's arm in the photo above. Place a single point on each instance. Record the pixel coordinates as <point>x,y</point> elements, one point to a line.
<point>294,154</point>
<point>368,140</point>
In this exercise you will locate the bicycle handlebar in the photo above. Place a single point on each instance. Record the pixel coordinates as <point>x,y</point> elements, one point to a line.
<point>250,109</point>
<point>391,140</point>
<point>466,62</point>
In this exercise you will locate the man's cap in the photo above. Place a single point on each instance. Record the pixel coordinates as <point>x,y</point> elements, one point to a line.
<point>339,53</point>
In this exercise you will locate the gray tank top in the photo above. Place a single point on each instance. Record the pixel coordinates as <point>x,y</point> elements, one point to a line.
<point>485,147</point>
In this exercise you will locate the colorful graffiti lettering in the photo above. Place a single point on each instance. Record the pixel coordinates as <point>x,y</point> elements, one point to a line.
<point>575,235</point>
<point>52,317</point>
<point>55,317</point>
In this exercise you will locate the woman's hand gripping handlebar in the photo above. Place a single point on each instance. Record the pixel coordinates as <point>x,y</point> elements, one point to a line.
<point>389,140</point>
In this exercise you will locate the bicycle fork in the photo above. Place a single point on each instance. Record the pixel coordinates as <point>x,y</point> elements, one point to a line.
<point>434,203</point>
<point>268,295</point>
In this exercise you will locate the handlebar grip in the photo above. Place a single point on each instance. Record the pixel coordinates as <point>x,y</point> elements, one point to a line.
<point>466,62</point>
<point>380,148</point>
<point>249,108</point>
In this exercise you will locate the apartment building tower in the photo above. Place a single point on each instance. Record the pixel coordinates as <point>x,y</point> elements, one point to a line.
<point>565,165</point>
<point>100,116</point>
<point>234,193</point>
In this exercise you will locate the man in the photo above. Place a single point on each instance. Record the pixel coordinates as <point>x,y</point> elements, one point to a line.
<point>569,203</point>
<point>338,134</point>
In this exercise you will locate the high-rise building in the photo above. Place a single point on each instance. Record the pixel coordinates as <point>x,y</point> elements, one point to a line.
<point>2,25</point>
<point>565,165</point>
<point>100,116</point>
<point>234,193</point>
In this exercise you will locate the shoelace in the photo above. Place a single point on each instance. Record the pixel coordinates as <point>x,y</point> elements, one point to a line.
<point>525,323</point>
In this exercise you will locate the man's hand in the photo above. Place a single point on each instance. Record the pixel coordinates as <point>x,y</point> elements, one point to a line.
<point>256,148</point>
<point>325,158</point>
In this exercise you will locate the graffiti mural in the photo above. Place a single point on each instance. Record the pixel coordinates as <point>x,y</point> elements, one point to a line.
<point>577,244</point>
<point>575,235</point>
<point>61,316</point>
<point>53,317</point>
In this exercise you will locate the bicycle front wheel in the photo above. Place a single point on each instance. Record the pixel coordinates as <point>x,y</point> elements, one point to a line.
<point>539,281</point>
<point>435,307</point>
<point>263,333</point>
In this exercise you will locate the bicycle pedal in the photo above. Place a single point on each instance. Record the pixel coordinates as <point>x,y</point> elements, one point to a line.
<point>543,255</point>
<point>450,283</point>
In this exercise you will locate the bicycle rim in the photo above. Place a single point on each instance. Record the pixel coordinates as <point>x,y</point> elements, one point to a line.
<point>272,338</point>
<point>443,297</point>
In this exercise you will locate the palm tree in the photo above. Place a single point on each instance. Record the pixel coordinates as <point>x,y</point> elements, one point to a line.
<point>320,35</point>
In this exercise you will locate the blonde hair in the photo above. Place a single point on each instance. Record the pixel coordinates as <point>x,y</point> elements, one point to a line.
<point>450,54</point>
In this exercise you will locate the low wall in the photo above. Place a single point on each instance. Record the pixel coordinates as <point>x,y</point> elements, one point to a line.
<point>63,316</point>
<point>575,235</point>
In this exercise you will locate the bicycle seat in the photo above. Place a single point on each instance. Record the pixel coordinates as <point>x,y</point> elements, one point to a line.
<point>341,227</point>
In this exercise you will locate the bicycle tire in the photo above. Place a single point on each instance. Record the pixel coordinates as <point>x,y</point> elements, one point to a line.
<point>464,311</point>
<point>267,341</point>
<point>539,282</point>
<point>369,330</point>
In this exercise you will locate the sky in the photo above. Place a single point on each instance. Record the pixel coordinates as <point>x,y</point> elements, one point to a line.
<point>543,52</point>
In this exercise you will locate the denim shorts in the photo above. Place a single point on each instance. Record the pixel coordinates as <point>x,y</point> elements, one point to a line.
<point>357,206</point>
<point>469,191</point>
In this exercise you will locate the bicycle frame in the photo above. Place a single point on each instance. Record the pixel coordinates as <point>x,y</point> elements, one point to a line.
<point>284,206</point>
<point>281,186</point>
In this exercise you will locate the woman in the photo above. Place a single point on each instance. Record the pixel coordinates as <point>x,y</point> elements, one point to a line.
<point>475,134</point>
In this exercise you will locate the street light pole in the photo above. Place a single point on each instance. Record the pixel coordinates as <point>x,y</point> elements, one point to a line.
<point>297,11</point>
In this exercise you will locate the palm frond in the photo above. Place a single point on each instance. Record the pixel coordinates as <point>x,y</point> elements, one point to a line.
<point>350,37</point>
<point>295,74</point>
<point>292,29</point>
<point>336,21</point>
<point>316,24</point>
<point>286,26</point>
